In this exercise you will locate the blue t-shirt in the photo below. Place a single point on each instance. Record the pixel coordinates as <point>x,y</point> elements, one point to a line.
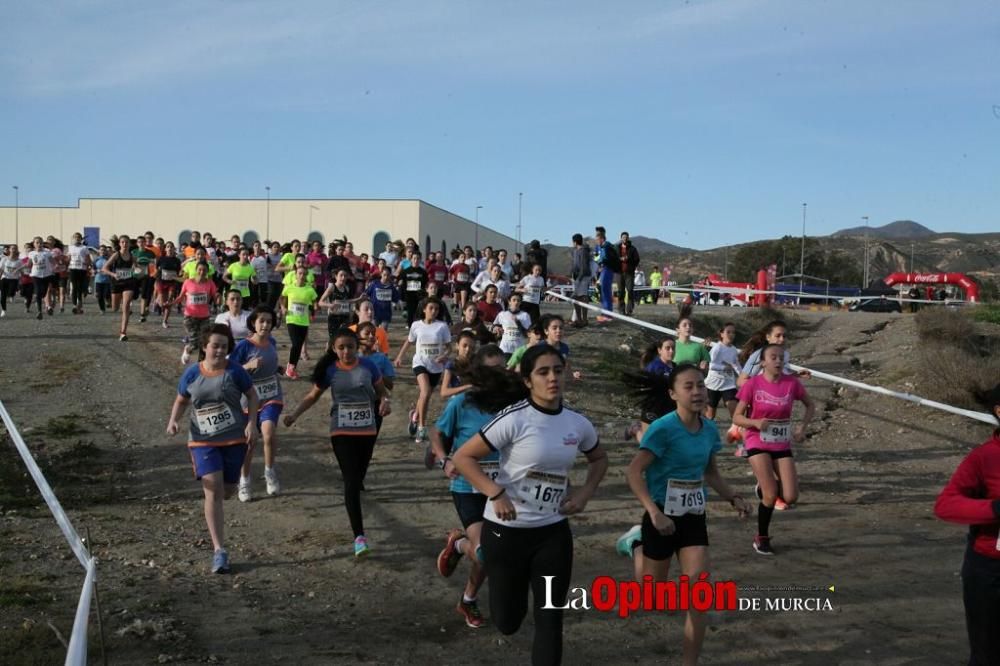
<point>658,367</point>
<point>382,296</point>
<point>460,422</point>
<point>563,349</point>
<point>679,454</point>
<point>383,364</point>
<point>99,277</point>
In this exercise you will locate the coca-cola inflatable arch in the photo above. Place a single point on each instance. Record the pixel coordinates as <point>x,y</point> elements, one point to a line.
<point>963,281</point>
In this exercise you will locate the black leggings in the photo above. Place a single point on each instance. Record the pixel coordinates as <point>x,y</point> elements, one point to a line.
<point>78,279</point>
<point>103,292</point>
<point>981,594</point>
<point>41,289</point>
<point>8,287</point>
<point>27,293</point>
<point>353,452</point>
<point>516,559</point>
<point>298,335</point>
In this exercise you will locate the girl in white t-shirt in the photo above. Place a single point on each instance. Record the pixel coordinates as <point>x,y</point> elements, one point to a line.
<point>511,326</point>
<point>532,287</point>
<point>723,369</point>
<point>431,339</point>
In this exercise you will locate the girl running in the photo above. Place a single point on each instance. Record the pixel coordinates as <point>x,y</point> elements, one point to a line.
<point>526,533</point>
<point>102,283</point>
<point>235,317</point>
<point>241,276</point>
<point>774,333</point>
<point>365,312</point>
<point>511,326</point>
<point>456,368</point>
<point>383,294</point>
<point>972,497</point>
<point>42,274</point>
<point>358,396</point>
<point>258,355</point>
<point>197,295</point>
<point>121,268</point>
<point>460,421</point>
<point>431,338</point>
<point>532,287</point>
<point>338,299</point>
<point>368,341</point>
<point>168,270</point>
<point>471,321</point>
<point>723,368</point>
<point>296,299</point>
<point>219,432</point>
<point>765,410</point>
<point>687,350</point>
<point>658,358</point>
<point>668,474</point>
<point>79,271</point>
<point>11,270</point>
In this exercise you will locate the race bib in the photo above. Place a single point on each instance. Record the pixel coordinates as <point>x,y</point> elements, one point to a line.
<point>241,285</point>
<point>429,351</point>
<point>777,432</point>
<point>413,285</point>
<point>197,299</point>
<point>355,414</point>
<point>168,276</point>
<point>383,295</point>
<point>124,273</point>
<point>491,469</point>
<point>542,490</point>
<point>440,276</point>
<point>511,333</point>
<point>684,497</point>
<point>533,295</point>
<point>341,308</point>
<point>214,419</point>
<point>317,270</point>
<point>461,277</point>
<point>298,309</point>
<point>76,262</point>
<point>267,388</point>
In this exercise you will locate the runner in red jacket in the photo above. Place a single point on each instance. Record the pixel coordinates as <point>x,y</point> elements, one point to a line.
<point>972,497</point>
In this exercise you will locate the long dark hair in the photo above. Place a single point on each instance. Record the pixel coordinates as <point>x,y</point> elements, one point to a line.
<point>330,357</point>
<point>651,351</point>
<point>493,387</point>
<point>759,339</point>
<point>990,400</point>
<point>257,311</point>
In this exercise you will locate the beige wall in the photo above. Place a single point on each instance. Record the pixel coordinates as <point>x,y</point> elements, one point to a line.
<point>359,220</point>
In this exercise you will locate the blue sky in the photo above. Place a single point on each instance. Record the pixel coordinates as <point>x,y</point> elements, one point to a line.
<point>701,123</point>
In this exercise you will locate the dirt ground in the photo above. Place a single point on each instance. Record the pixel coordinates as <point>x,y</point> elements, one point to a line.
<point>94,412</point>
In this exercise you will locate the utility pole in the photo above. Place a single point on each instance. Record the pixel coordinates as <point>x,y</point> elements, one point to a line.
<point>725,266</point>
<point>911,257</point>
<point>17,217</point>
<point>864,279</point>
<point>477,227</point>
<point>802,256</point>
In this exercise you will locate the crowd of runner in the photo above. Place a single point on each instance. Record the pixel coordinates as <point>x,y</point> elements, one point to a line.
<point>479,339</point>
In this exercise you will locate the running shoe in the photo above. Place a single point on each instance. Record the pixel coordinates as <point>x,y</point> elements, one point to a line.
<point>3,313</point>
<point>271,479</point>
<point>185,356</point>
<point>361,548</point>
<point>601,319</point>
<point>412,427</point>
<point>470,611</point>
<point>290,372</point>
<point>165,325</point>
<point>39,317</point>
<point>448,558</point>
<point>626,541</point>
<point>220,562</point>
<point>142,319</point>
<point>762,545</point>
<point>122,338</point>
<point>51,311</point>
<point>781,505</point>
<point>421,434</point>
<point>429,458</point>
<point>244,493</point>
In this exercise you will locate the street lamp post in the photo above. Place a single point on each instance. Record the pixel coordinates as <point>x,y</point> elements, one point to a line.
<point>518,244</point>
<point>802,255</point>
<point>911,257</point>
<point>268,232</point>
<point>17,221</point>
<point>477,227</point>
<point>865,273</point>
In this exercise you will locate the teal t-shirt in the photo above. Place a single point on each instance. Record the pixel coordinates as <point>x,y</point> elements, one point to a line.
<point>461,422</point>
<point>679,454</point>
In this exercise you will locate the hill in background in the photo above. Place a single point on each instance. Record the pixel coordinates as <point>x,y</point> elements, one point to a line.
<point>899,230</point>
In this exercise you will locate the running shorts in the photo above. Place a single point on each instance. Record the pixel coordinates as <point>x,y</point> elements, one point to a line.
<point>470,507</point>
<point>691,529</point>
<point>210,459</point>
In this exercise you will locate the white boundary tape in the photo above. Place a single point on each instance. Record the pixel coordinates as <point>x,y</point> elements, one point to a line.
<point>979,416</point>
<point>76,655</point>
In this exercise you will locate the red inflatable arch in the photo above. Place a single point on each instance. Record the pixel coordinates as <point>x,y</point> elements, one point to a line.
<point>970,287</point>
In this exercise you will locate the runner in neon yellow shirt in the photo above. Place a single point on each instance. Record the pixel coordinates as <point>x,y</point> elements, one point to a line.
<point>241,275</point>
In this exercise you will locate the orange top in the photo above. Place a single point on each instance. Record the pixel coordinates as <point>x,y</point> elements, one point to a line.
<point>381,338</point>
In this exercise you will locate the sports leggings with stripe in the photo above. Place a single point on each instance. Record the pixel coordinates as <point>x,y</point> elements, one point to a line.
<point>354,453</point>
<point>516,559</point>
